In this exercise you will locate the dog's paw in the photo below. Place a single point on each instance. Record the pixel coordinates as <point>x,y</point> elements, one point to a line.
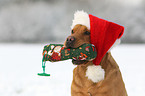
<point>95,73</point>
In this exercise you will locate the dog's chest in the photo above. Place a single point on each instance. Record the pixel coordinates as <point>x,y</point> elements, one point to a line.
<point>80,78</point>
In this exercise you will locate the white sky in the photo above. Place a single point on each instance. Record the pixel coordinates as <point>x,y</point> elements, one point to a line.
<point>131,2</point>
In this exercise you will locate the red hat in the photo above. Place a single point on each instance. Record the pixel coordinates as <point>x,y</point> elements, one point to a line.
<point>104,34</point>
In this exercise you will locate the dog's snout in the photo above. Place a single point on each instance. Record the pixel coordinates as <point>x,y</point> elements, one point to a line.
<point>70,41</point>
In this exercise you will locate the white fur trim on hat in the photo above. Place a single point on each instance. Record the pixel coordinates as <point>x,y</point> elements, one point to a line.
<point>117,42</point>
<point>95,73</point>
<point>81,17</point>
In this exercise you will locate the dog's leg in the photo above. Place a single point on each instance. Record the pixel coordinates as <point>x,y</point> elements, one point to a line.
<point>78,87</point>
<point>78,94</point>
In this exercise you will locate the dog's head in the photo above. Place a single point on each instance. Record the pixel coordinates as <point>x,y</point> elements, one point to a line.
<point>79,35</point>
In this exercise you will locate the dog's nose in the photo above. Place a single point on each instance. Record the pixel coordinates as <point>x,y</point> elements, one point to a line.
<point>70,41</point>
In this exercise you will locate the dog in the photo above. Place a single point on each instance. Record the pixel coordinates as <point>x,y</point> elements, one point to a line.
<point>112,85</point>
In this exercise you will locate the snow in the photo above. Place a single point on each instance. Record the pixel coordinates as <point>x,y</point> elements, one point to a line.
<point>132,64</point>
<point>20,63</point>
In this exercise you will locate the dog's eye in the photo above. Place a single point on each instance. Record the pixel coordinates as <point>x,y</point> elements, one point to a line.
<point>72,32</point>
<point>87,33</point>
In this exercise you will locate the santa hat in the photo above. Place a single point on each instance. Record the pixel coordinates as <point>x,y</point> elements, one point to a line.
<point>104,35</point>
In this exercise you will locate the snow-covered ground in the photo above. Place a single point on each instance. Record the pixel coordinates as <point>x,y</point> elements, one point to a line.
<point>20,63</point>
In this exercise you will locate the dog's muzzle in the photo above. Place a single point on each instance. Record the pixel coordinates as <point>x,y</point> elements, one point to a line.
<point>70,42</point>
<point>79,62</point>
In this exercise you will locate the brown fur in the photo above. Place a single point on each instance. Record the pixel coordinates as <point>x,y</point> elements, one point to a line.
<point>112,85</point>
<point>81,38</point>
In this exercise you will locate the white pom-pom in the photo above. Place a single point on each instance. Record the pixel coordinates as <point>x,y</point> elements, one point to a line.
<point>81,17</point>
<point>95,73</point>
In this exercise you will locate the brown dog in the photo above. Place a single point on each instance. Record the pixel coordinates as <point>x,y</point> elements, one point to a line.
<point>112,85</point>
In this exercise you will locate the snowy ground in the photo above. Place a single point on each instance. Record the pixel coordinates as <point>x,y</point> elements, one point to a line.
<point>20,63</point>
